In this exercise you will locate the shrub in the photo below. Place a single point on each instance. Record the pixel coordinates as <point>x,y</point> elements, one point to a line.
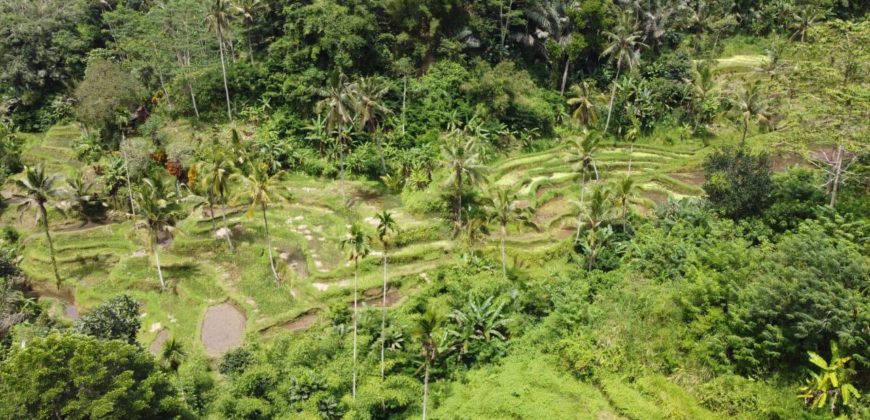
<point>738,183</point>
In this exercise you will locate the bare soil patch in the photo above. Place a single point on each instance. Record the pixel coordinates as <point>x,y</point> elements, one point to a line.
<point>157,345</point>
<point>549,210</point>
<point>223,329</point>
<point>696,178</point>
<point>303,322</point>
<point>657,197</point>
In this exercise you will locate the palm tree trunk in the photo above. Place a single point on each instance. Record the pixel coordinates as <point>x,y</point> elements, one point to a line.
<point>838,169</point>
<point>612,96</point>
<point>269,245</point>
<point>211,216</point>
<point>355,276</point>
<point>404,96</point>
<point>630,155</point>
<point>127,175</point>
<point>745,130</point>
<point>565,76</point>
<point>44,215</point>
<point>582,203</point>
<point>503,255</point>
<point>193,99</point>
<point>384,313</point>
<point>227,225</point>
<point>341,165</point>
<point>157,261</point>
<point>224,71</point>
<point>425,388</point>
<point>250,48</point>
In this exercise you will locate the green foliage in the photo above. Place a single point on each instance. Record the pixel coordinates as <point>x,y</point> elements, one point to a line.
<point>832,385</point>
<point>10,153</point>
<point>116,319</point>
<point>75,376</point>
<point>106,97</point>
<point>795,197</point>
<point>738,183</point>
<point>235,361</point>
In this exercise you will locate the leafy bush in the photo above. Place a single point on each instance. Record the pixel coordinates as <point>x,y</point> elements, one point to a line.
<point>116,319</point>
<point>738,183</point>
<point>236,361</point>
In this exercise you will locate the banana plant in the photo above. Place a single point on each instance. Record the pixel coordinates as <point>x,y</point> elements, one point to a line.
<point>830,385</point>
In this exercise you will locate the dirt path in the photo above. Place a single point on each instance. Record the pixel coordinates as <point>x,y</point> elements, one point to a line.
<point>223,329</point>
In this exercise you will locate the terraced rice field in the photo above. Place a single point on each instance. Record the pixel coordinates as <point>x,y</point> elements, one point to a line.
<point>98,261</point>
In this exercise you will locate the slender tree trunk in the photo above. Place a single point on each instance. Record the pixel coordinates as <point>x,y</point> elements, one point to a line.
<point>582,203</point>
<point>44,215</point>
<point>157,261</point>
<point>165,91</point>
<point>211,216</point>
<point>565,76</point>
<point>630,155</point>
<point>612,96</point>
<point>227,225</point>
<point>127,175</point>
<point>384,313</point>
<point>355,276</point>
<point>193,99</point>
<point>503,254</point>
<point>425,388</point>
<point>404,96</point>
<point>745,130</point>
<point>838,169</point>
<point>269,245</point>
<point>381,153</point>
<point>341,165</point>
<point>224,71</point>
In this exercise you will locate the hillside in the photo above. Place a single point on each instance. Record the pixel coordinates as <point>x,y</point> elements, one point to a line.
<point>486,210</point>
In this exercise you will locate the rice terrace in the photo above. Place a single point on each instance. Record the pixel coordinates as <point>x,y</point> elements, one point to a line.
<point>343,209</point>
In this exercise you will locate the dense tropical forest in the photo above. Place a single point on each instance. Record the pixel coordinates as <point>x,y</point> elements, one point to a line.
<point>388,209</point>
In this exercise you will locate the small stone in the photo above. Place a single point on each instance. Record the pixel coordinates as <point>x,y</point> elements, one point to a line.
<point>155,327</point>
<point>223,233</point>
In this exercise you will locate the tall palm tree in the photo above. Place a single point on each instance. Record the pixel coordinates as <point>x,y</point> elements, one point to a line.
<point>623,48</point>
<point>215,171</point>
<point>158,211</point>
<point>248,10</point>
<point>805,18</point>
<point>581,153</point>
<point>337,104</point>
<point>503,210</point>
<point>218,18</point>
<point>262,189</point>
<point>553,28</point>
<point>460,156</point>
<point>386,226</point>
<point>38,189</point>
<point>703,84</point>
<point>750,102</point>
<point>368,99</point>
<point>427,328</point>
<point>83,201</point>
<point>623,190</point>
<point>580,98</point>
<point>357,245</point>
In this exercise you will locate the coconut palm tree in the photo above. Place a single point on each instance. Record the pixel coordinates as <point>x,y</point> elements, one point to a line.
<point>623,190</point>
<point>623,47</point>
<point>248,10</point>
<point>750,102</point>
<point>38,189</point>
<point>218,18</point>
<point>503,210</point>
<point>357,245</point>
<point>580,98</point>
<point>460,156</point>
<point>581,153</point>
<point>805,18</point>
<point>367,96</point>
<point>337,105</point>
<point>427,328</point>
<point>158,211</point>
<point>262,189</point>
<point>703,84</point>
<point>386,226</point>
<point>85,203</point>
<point>553,29</point>
<point>215,171</point>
